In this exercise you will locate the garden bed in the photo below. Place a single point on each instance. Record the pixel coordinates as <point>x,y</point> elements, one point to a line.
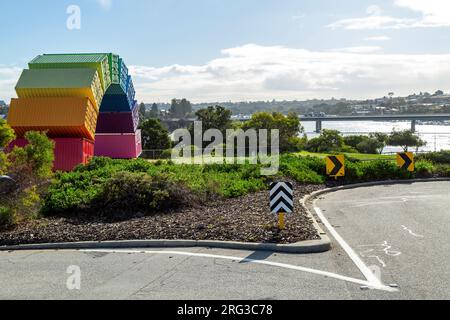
<point>244,219</point>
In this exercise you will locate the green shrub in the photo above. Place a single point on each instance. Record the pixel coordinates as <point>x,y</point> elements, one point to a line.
<point>303,169</point>
<point>424,169</point>
<point>38,155</point>
<point>166,154</point>
<point>6,216</point>
<point>6,134</point>
<point>442,170</point>
<point>442,157</point>
<point>353,171</point>
<point>382,170</point>
<point>140,192</point>
<point>4,163</point>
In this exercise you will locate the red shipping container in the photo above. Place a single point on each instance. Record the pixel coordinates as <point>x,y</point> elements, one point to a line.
<point>69,152</point>
<point>118,145</point>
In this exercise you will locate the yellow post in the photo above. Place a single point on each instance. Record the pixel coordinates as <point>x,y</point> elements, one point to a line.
<point>281,220</point>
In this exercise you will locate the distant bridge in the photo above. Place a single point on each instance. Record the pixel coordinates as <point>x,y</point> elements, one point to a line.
<point>177,123</point>
<point>403,117</point>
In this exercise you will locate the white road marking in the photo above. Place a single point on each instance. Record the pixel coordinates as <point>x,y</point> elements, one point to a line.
<point>372,284</point>
<point>386,249</point>
<point>364,254</point>
<point>412,233</point>
<point>365,270</point>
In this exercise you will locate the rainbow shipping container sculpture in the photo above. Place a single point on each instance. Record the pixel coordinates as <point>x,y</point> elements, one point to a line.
<point>86,104</point>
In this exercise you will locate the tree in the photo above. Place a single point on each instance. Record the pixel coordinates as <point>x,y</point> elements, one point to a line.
<point>214,117</point>
<point>31,169</point>
<point>328,141</point>
<point>185,107</point>
<point>381,140</point>
<point>289,127</point>
<point>180,108</point>
<point>154,135</point>
<point>6,134</point>
<point>154,112</point>
<point>142,111</point>
<point>372,144</point>
<point>405,139</point>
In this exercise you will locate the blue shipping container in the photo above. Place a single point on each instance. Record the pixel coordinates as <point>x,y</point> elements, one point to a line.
<point>131,93</point>
<point>116,103</point>
<point>123,71</point>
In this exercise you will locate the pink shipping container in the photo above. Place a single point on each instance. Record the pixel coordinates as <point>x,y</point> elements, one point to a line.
<point>118,145</point>
<point>69,152</point>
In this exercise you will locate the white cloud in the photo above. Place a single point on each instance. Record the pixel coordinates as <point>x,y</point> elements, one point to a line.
<point>8,80</point>
<point>105,4</point>
<point>253,72</point>
<point>374,10</point>
<point>433,13</point>
<point>378,38</point>
<point>373,22</point>
<point>360,49</point>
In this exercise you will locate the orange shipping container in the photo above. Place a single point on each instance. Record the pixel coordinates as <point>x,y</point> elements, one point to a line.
<point>61,117</point>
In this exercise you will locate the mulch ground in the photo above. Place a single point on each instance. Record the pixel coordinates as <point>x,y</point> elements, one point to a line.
<point>244,219</point>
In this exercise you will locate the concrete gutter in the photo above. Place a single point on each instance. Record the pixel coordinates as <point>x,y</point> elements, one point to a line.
<point>310,246</point>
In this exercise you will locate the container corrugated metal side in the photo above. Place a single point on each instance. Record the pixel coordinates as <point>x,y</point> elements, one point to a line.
<point>135,113</point>
<point>115,89</point>
<point>69,152</point>
<point>123,70</point>
<point>118,122</point>
<point>114,68</point>
<point>99,62</point>
<point>119,146</point>
<point>60,117</point>
<point>80,83</point>
<point>131,93</point>
<point>115,103</point>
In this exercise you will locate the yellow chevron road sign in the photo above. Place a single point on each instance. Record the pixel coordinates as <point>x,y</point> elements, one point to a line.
<point>336,166</point>
<point>405,160</point>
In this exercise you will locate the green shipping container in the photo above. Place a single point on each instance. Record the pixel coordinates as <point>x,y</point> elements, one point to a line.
<point>98,61</point>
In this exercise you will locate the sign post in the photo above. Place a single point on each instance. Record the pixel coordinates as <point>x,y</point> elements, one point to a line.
<point>281,201</point>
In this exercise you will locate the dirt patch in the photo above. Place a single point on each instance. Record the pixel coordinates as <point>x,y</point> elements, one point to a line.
<point>244,219</point>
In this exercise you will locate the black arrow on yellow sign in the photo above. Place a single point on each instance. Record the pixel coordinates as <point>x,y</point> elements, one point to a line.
<point>335,166</point>
<point>405,161</point>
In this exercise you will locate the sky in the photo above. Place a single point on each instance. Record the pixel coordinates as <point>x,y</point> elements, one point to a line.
<point>241,50</point>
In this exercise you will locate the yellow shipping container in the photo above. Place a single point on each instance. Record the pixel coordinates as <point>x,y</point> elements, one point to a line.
<point>60,117</point>
<point>43,83</point>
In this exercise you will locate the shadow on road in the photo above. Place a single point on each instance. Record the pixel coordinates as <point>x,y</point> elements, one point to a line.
<point>257,255</point>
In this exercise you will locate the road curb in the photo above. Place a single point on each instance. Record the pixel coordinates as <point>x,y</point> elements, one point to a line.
<point>310,246</point>
<point>368,184</point>
<point>308,199</point>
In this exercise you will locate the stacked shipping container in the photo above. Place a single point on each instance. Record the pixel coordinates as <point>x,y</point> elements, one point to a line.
<point>117,128</point>
<point>63,94</point>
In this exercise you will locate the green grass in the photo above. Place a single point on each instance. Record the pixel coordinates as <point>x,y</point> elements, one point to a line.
<point>357,156</point>
<point>86,188</point>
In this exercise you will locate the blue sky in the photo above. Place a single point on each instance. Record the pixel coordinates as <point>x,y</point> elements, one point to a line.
<point>220,50</point>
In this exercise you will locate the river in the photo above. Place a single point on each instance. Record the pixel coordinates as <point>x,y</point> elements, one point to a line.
<point>436,136</point>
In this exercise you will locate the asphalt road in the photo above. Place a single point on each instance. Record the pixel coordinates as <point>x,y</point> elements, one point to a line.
<point>399,231</point>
